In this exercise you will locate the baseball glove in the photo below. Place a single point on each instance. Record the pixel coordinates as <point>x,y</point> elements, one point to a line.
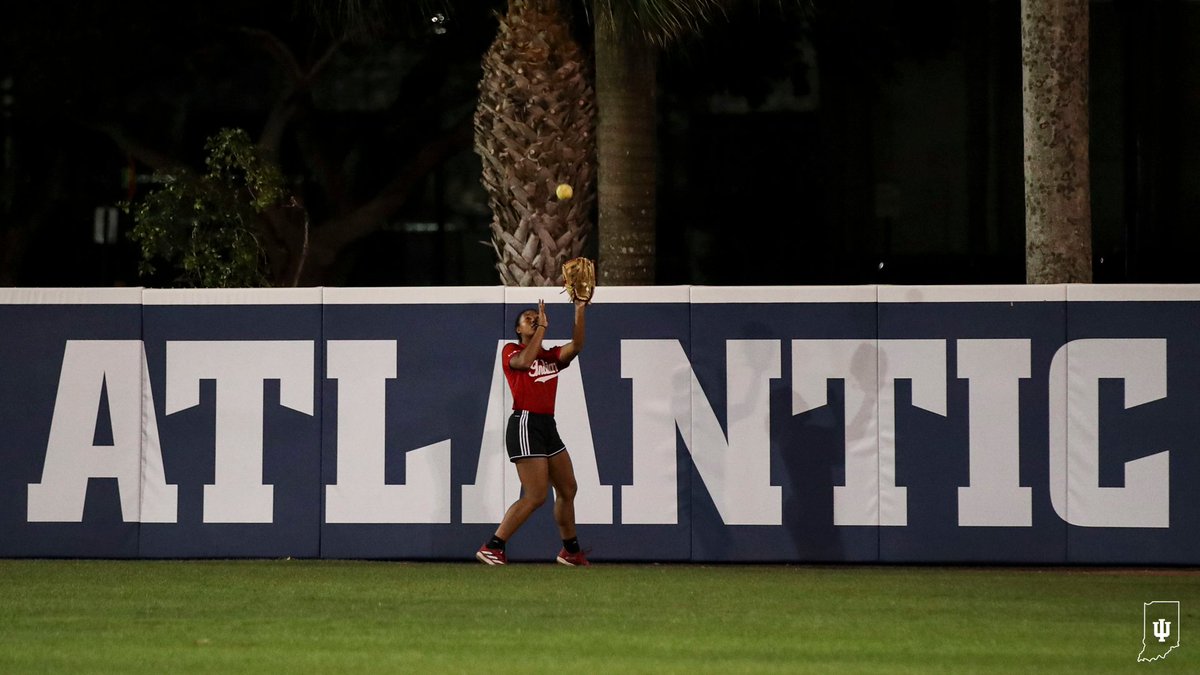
<point>579,279</point>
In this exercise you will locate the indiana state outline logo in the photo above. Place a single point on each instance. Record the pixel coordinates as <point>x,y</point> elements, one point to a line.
<point>1160,629</point>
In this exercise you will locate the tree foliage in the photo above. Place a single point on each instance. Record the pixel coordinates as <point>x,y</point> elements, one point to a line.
<point>662,23</point>
<point>204,228</point>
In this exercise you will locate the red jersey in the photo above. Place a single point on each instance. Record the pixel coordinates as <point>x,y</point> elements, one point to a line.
<point>533,389</point>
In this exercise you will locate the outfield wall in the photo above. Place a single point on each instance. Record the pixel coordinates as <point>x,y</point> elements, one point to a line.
<point>1017,424</point>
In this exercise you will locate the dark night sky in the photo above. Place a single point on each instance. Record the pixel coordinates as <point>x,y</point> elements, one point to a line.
<point>873,132</point>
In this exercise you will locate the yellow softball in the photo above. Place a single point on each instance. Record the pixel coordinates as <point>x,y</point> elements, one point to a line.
<point>563,192</point>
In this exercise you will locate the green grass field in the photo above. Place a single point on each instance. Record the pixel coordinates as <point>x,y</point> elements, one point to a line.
<point>342,616</point>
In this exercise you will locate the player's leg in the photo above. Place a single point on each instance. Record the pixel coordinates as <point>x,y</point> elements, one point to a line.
<point>535,485</point>
<point>562,477</point>
<point>529,440</point>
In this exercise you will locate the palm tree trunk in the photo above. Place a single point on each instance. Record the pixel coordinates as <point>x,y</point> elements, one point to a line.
<point>535,131</point>
<point>1058,217</point>
<point>627,148</point>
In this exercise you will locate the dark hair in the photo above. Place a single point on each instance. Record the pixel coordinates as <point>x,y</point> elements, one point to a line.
<point>517,323</point>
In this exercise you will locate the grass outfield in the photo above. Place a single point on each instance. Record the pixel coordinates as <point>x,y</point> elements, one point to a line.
<point>327,616</point>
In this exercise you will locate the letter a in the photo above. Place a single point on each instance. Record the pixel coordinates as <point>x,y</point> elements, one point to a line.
<point>71,458</point>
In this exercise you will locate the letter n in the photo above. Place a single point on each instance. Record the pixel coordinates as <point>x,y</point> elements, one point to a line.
<point>667,396</point>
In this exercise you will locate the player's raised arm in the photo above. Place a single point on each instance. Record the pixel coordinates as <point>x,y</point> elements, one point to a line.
<point>531,328</point>
<point>572,348</point>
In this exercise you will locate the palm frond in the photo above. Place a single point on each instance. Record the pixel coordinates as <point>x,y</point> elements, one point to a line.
<point>663,22</point>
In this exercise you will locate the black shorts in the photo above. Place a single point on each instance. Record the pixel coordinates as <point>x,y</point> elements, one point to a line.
<point>532,435</point>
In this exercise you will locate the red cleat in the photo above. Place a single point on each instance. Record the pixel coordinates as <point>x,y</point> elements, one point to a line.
<point>491,556</point>
<point>572,559</point>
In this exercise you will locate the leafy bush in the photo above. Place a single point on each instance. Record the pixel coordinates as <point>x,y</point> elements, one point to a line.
<point>206,227</point>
